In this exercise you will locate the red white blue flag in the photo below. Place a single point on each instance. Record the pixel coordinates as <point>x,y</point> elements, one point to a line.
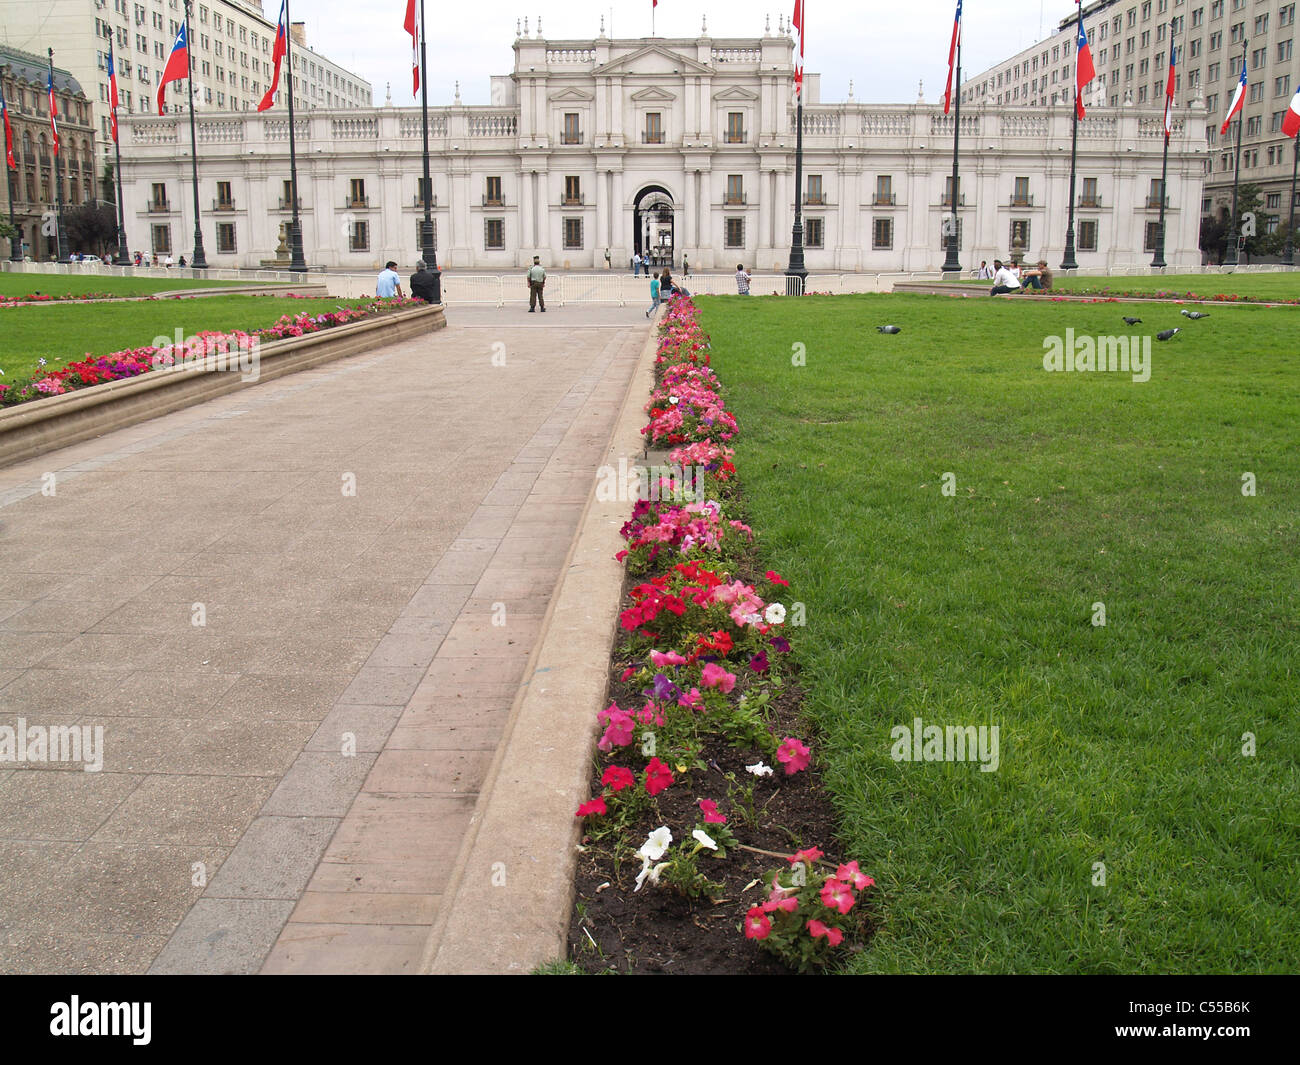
<point>413,28</point>
<point>798,67</point>
<point>112,95</point>
<point>9,133</point>
<point>281,48</point>
<point>1084,71</point>
<point>1238,98</point>
<point>54,114</point>
<point>178,65</point>
<point>1290,124</point>
<point>1169,94</point>
<point>952,58</point>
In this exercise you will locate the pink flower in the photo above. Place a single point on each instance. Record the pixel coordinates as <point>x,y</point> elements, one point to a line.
<point>596,806</point>
<point>837,896</point>
<point>784,904</point>
<point>710,810</point>
<point>617,778</point>
<point>657,776</point>
<point>833,935</point>
<point>692,700</point>
<point>794,754</point>
<point>811,855</point>
<point>666,658</point>
<point>619,730</point>
<point>627,673</point>
<point>714,676</point>
<point>854,876</point>
<point>776,578</point>
<point>757,923</point>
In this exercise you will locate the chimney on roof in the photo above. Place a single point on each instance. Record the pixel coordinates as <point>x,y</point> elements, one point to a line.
<point>298,30</point>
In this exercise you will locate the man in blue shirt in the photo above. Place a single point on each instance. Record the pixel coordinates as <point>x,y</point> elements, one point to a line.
<point>389,284</point>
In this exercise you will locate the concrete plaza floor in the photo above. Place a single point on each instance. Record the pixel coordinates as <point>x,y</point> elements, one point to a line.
<point>300,614</point>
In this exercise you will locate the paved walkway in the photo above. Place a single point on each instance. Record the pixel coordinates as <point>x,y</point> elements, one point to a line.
<point>300,687</point>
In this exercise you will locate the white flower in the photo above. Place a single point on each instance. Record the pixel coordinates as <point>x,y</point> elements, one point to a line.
<point>656,844</point>
<point>674,400</point>
<point>752,619</point>
<point>647,870</point>
<point>702,838</point>
<point>759,769</point>
<point>775,614</point>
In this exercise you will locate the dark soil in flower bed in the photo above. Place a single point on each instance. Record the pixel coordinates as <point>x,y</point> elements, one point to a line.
<point>657,930</point>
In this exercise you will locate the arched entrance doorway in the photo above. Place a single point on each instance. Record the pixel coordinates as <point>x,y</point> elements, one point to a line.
<point>652,226</point>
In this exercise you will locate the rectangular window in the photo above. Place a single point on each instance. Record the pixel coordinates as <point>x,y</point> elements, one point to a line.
<point>735,189</point>
<point>1282,85</point>
<point>225,198</point>
<point>735,235</point>
<point>736,127</point>
<point>943,235</point>
<point>815,196</point>
<point>1020,198</point>
<point>654,127</point>
<point>494,233</point>
<point>1087,234</point>
<point>572,135</point>
<point>884,190</point>
<point>158,200</point>
<point>225,237</point>
<point>359,235</point>
<point>572,193</point>
<point>1150,236</point>
<point>814,229</point>
<point>357,193</point>
<point>882,234</point>
<point>1155,193</point>
<point>492,195</point>
<point>1088,198</point>
<point>573,233</point>
<point>162,239</point>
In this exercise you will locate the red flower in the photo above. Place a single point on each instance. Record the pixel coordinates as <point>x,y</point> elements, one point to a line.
<point>776,578</point>
<point>596,806</point>
<point>757,923</point>
<point>837,896</point>
<point>617,778</point>
<point>809,855</point>
<point>657,776</point>
<point>833,935</point>
<point>711,815</point>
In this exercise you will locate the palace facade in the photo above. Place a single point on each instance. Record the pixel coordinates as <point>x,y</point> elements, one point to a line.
<point>667,147</point>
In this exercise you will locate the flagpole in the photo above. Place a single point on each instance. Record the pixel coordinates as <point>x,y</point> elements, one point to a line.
<point>1231,258</point>
<point>199,260</point>
<point>62,239</point>
<point>123,253</point>
<point>796,267</point>
<point>297,263</point>
<point>1288,258</point>
<point>16,241</point>
<point>1159,258</point>
<point>428,252</point>
<point>1068,262</point>
<point>951,264</point>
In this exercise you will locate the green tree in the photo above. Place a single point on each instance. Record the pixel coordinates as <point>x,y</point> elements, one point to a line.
<point>91,227</point>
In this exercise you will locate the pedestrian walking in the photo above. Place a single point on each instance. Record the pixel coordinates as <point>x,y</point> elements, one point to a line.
<point>536,284</point>
<point>686,266</point>
<point>655,289</point>
<point>742,279</point>
<point>388,284</point>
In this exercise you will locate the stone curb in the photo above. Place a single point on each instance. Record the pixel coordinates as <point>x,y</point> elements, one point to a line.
<point>31,429</point>
<point>507,904</point>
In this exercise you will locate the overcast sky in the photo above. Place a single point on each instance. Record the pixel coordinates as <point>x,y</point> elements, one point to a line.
<point>884,47</point>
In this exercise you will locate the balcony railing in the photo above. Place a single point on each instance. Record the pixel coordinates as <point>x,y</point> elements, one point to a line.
<point>734,136</point>
<point>353,202</point>
<point>286,206</point>
<point>946,200</point>
<point>159,207</point>
<point>418,201</point>
<point>735,199</point>
<point>494,201</point>
<point>569,137</point>
<point>884,199</point>
<point>1021,201</point>
<point>1153,202</point>
<point>223,205</point>
<point>814,199</point>
<point>572,201</point>
<point>1089,201</point>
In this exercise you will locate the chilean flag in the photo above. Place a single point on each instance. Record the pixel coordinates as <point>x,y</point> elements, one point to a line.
<point>1290,124</point>
<point>178,65</point>
<point>54,114</point>
<point>281,48</point>
<point>1084,71</point>
<point>1169,94</point>
<point>798,69</point>
<point>9,133</point>
<point>1238,98</point>
<point>112,95</point>
<point>952,57</point>
<point>414,31</point>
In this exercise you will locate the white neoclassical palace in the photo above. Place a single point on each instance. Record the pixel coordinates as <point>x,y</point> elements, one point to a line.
<point>670,147</point>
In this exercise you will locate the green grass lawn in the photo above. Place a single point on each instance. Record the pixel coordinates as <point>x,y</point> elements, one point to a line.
<point>1119,744</point>
<point>1272,286</point>
<point>15,284</point>
<point>60,334</point>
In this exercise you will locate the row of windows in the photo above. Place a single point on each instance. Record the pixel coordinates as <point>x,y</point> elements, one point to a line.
<point>653,133</point>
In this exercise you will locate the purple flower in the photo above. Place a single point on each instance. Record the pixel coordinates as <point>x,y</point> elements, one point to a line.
<point>780,644</point>
<point>759,662</point>
<point>664,689</point>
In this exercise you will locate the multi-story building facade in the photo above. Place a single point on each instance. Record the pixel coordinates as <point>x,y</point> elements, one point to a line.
<point>1130,42</point>
<point>35,186</point>
<point>666,147</point>
<point>230,53</point>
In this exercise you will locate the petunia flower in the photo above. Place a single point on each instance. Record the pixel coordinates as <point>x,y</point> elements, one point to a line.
<point>757,924</point>
<point>759,663</point>
<point>596,806</point>
<point>759,769</point>
<point>659,659</point>
<point>776,578</point>
<point>786,904</point>
<point>656,843</point>
<point>837,896</point>
<point>780,644</point>
<point>650,871</point>
<point>793,755</point>
<point>714,676</point>
<point>833,935</point>
<point>704,839</point>
<point>851,874</point>
<point>617,778</point>
<point>657,776</point>
<point>711,815</point>
<point>808,854</point>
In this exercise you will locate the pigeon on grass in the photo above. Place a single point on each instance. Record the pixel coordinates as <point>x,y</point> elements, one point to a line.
<point>1194,315</point>
<point>1168,334</point>
<point>1133,321</point>
<point>888,329</point>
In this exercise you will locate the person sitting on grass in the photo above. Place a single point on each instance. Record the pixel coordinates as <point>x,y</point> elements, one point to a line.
<point>1004,280</point>
<point>1039,278</point>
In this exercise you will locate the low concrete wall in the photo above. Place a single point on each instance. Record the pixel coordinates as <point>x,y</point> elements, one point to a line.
<point>43,425</point>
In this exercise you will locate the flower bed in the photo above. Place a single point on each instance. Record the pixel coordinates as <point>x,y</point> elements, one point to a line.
<point>85,373</point>
<point>703,833</point>
<point>45,297</point>
<point>1219,297</point>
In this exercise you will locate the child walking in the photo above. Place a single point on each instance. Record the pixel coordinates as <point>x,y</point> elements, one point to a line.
<point>654,296</point>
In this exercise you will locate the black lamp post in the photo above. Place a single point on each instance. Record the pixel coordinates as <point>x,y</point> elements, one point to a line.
<point>297,262</point>
<point>65,254</point>
<point>123,253</point>
<point>1158,260</point>
<point>1231,257</point>
<point>951,264</point>
<point>428,249</point>
<point>200,260</point>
